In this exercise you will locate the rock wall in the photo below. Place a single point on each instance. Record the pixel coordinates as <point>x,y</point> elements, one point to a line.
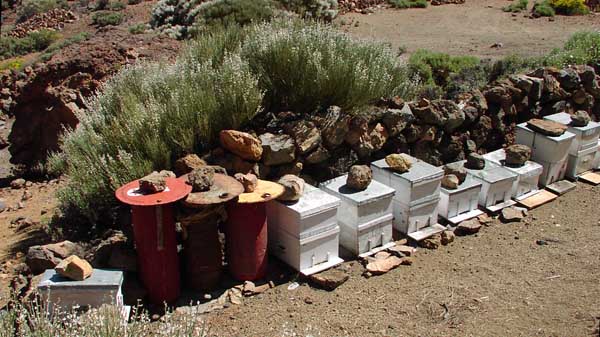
<point>324,145</point>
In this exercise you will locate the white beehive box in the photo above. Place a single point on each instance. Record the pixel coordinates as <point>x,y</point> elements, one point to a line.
<point>63,295</point>
<point>314,211</point>
<point>496,186</point>
<point>462,203</point>
<point>581,163</point>
<point>364,217</point>
<point>420,184</point>
<point>544,148</point>
<point>308,255</point>
<point>528,175</point>
<point>597,158</point>
<point>585,136</point>
<point>418,221</point>
<point>552,172</point>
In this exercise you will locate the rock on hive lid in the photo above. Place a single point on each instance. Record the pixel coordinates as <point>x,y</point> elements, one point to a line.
<point>130,193</point>
<point>265,191</point>
<point>223,189</point>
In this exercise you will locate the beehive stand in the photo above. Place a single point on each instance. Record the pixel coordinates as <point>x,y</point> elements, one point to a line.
<point>583,150</point>
<point>365,217</point>
<point>550,152</point>
<point>460,204</point>
<point>496,186</point>
<point>102,287</point>
<point>305,234</point>
<point>528,175</point>
<point>415,204</point>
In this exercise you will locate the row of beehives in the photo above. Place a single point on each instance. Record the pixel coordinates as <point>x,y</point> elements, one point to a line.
<point>306,234</point>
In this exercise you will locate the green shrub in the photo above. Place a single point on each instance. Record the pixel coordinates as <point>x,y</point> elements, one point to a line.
<point>56,46</point>
<point>240,12</point>
<point>408,3</point>
<point>107,18</point>
<point>581,48</point>
<point>517,6</point>
<point>325,10</point>
<point>513,64</point>
<point>29,8</point>
<point>139,28</point>
<point>569,7</point>
<point>101,5</point>
<point>15,64</point>
<point>34,41</point>
<point>436,68</point>
<point>134,2</point>
<point>117,6</point>
<point>543,9</point>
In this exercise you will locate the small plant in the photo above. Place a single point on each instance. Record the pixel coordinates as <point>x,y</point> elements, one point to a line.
<point>29,8</point>
<point>581,48</point>
<point>517,6</point>
<point>401,4</point>
<point>34,41</point>
<point>16,64</point>
<point>543,9</point>
<point>240,12</point>
<point>139,28</point>
<point>107,18</point>
<point>325,10</point>
<point>101,5</point>
<point>436,68</point>
<point>569,7</point>
<point>117,6</point>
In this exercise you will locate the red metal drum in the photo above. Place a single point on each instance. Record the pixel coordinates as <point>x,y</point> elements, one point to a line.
<point>247,240</point>
<point>155,237</point>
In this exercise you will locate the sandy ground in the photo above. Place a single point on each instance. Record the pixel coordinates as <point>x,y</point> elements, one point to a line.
<point>471,28</point>
<point>499,282</point>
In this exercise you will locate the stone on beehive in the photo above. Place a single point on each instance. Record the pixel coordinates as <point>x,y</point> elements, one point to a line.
<point>74,268</point>
<point>398,163</point>
<point>359,177</point>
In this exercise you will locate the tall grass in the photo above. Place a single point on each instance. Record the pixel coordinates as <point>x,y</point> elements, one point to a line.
<point>581,48</point>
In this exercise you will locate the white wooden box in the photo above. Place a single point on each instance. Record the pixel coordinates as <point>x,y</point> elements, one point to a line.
<point>316,210</point>
<point>496,186</point>
<point>308,255</point>
<point>412,219</point>
<point>585,136</point>
<point>368,238</point>
<point>597,158</point>
<point>420,184</point>
<point>62,294</point>
<point>544,148</point>
<point>528,175</point>
<point>553,172</point>
<point>581,163</point>
<point>462,203</point>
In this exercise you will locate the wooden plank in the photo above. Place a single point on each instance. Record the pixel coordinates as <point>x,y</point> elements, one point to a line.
<point>538,199</point>
<point>591,178</point>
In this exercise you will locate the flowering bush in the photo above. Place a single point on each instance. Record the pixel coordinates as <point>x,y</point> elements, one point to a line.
<point>569,7</point>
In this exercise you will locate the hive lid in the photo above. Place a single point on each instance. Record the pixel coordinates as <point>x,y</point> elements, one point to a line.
<point>469,183</point>
<point>492,173</point>
<point>565,119</point>
<point>130,193</point>
<point>419,171</point>
<point>375,191</point>
<point>313,201</point>
<point>265,191</point>
<point>223,189</point>
<point>558,139</point>
<point>527,169</point>
<point>100,278</point>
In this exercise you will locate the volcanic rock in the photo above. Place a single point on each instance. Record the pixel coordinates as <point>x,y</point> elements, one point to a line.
<point>517,155</point>
<point>153,183</point>
<point>359,177</point>
<point>201,179</point>
<point>294,187</point>
<point>74,268</point>
<point>398,162</point>
<point>457,169</point>
<point>447,237</point>
<point>40,258</point>
<point>546,127</point>
<point>475,161</point>
<point>334,127</point>
<point>395,120</point>
<point>241,144</point>
<point>277,149</point>
<point>188,163</point>
<point>580,118</point>
<point>432,242</point>
<point>305,134</point>
<point>450,182</point>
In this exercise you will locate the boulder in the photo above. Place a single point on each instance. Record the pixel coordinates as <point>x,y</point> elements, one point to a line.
<point>277,149</point>
<point>546,127</point>
<point>359,177</point>
<point>517,155</point>
<point>201,179</point>
<point>242,144</point>
<point>450,182</point>
<point>319,155</point>
<point>457,169</point>
<point>398,162</point>
<point>334,127</point>
<point>330,279</point>
<point>395,120</point>
<point>249,181</point>
<point>475,161</point>
<point>468,227</point>
<point>425,112</point>
<point>74,268</point>
<point>447,237</point>
<point>306,135</point>
<point>294,187</point>
<point>40,258</point>
<point>580,118</point>
<point>569,79</point>
<point>187,164</point>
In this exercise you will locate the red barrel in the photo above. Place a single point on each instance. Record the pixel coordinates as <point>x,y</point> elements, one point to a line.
<point>203,254</point>
<point>247,240</point>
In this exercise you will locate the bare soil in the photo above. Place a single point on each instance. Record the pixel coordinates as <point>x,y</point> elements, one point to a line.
<point>468,29</point>
<point>499,282</point>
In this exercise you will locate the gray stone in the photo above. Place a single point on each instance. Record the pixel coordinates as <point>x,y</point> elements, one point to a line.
<point>395,120</point>
<point>17,183</point>
<point>398,162</point>
<point>580,118</point>
<point>294,187</point>
<point>475,161</point>
<point>546,127</point>
<point>335,127</point>
<point>468,227</point>
<point>569,79</point>
<point>277,149</point>
<point>359,177</point>
<point>517,155</point>
<point>450,181</point>
<point>319,155</point>
<point>457,169</point>
<point>201,179</point>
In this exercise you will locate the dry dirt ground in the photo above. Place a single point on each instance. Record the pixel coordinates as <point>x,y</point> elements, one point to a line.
<point>468,29</point>
<point>499,282</point>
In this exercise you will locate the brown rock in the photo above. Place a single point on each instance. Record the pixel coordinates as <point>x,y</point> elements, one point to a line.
<point>359,177</point>
<point>74,268</point>
<point>456,169</point>
<point>153,183</point>
<point>402,250</point>
<point>382,255</point>
<point>201,179</point>
<point>17,183</point>
<point>432,242</point>
<point>580,118</point>
<point>475,161</point>
<point>549,128</point>
<point>249,181</point>
<point>187,164</point>
<point>330,279</point>
<point>511,214</point>
<point>398,162</point>
<point>294,187</point>
<point>517,155</point>
<point>306,135</point>
<point>447,237</point>
<point>468,227</point>
<point>241,144</point>
<point>450,182</point>
<point>382,266</point>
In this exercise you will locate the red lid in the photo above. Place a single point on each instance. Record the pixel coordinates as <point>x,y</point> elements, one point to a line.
<point>131,195</point>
